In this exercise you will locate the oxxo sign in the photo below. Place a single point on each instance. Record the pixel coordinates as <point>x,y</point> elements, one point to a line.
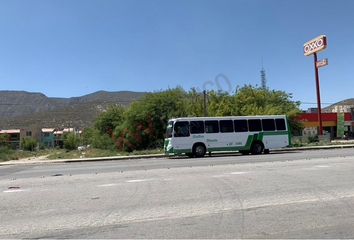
<point>315,45</point>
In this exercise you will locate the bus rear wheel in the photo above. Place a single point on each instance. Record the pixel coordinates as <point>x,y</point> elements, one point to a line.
<point>199,150</point>
<point>257,148</point>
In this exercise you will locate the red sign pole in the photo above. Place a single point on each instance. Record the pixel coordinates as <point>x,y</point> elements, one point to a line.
<point>318,95</point>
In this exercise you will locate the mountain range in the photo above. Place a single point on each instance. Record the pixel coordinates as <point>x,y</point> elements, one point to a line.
<point>20,109</point>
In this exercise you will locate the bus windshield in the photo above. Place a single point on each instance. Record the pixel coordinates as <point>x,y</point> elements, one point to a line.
<point>169,129</point>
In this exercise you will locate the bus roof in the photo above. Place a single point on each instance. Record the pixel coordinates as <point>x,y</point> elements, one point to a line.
<point>227,117</point>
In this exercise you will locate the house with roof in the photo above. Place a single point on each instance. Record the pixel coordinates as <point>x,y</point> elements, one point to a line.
<point>17,136</point>
<point>13,137</point>
<point>48,137</point>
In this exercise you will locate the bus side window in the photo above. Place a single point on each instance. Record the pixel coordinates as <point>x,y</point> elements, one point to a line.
<point>212,126</point>
<point>268,124</point>
<point>197,127</point>
<point>280,122</point>
<point>226,126</point>
<point>241,126</point>
<point>254,125</point>
<point>181,129</point>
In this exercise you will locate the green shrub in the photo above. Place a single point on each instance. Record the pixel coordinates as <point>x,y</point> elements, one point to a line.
<point>313,139</point>
<point>5,153</point>
<point>29,144</point>
<point>4,140</point>
<point>71,141</point>
<point>97,139</point>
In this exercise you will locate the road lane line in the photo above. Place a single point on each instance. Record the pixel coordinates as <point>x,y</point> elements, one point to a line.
<point>238,173</point>
<point>137,180</point>
<point>228,174</point>
<point>322,166</point>
<point>15,190</point>
<point>107,185</point>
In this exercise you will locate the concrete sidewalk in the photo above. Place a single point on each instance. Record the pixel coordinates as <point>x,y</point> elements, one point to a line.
<point>17,162</point>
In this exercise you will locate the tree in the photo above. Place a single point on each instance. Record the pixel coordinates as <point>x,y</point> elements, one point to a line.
<point>251,100</point>
<point>93,137</point>
<point>221,104</point>
<point>145,121</point>
<point>109,120</point>
<point>195,103</point>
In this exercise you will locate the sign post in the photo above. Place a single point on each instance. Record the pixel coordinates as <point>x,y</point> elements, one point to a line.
<point>312,48</point>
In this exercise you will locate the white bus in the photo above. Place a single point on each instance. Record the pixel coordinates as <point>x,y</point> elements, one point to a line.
<point>196,136</point>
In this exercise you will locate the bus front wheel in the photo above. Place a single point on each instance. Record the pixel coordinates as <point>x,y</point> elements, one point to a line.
<point>199,150</point>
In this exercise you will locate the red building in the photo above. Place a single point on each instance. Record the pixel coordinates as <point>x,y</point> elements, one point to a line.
<point>330,123</point>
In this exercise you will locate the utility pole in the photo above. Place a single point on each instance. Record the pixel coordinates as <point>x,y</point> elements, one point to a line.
<point>205,103</point>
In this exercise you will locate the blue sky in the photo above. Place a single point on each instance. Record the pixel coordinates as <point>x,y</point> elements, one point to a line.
<point>66,48</point>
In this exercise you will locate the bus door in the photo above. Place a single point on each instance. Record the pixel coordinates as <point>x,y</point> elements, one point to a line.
<point>181,136</point>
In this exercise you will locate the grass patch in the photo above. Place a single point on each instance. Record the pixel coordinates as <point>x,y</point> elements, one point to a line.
<point>75,154</point>
<point>7,154</point>
<point>94,152</point>
<point>146,152</point>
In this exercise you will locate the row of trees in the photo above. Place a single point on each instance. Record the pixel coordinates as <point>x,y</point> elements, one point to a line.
<point>143,124</point>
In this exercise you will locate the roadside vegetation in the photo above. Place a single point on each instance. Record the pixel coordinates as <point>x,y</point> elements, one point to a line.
<point>142,125</point>
<point>140,128</point>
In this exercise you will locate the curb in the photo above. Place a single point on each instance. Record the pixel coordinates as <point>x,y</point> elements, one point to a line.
<point>114,158</point>
<point>314,148</point>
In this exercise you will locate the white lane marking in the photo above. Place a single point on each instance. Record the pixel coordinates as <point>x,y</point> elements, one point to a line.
<point>15,190</point>
<point>137,180</point>
<point>322,166</point>
<point>228,174</point>
<point>237,173</point>
<point>316,167</point>
<point>107,185</point>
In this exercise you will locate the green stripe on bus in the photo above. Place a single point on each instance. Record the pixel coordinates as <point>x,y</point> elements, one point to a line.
<point>289,130</point>
<point>275,133</point>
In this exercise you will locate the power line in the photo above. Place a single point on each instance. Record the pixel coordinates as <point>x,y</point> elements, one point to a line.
<point>310,103</point>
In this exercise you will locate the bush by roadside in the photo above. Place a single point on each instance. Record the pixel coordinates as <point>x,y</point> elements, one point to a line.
<point>7,154</point>
<point>29,144</point>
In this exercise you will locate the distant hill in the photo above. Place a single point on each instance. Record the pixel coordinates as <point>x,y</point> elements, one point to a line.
<point>19,109</point>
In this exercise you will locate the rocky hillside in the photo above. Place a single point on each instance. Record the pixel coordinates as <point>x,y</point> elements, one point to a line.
<point>20,109</point>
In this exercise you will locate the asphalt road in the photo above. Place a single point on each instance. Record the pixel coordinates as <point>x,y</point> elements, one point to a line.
<point>306,194</point>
